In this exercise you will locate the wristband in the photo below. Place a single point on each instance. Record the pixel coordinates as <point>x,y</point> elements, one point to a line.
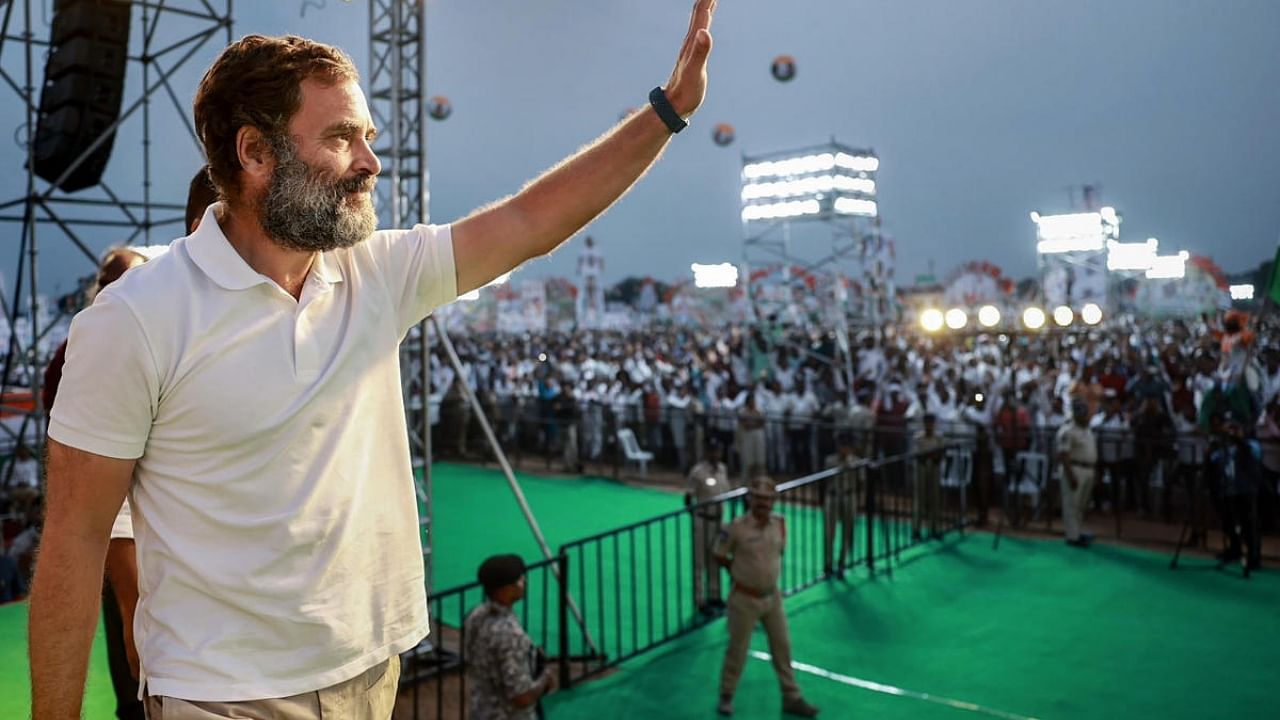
<point>662,106</point>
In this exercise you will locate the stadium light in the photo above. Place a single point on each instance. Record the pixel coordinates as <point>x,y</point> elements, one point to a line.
<point>1076,232</point>
<point>1241,292</point>
<point>1169,267</point>
<point>1063,316</point>
<point>724,275</point>
<point>988,316</point>
<point>1033,318</point>
<point>1132,256</point>
<point>931,320</point>
<point>1091,314</point>
<point>957,319</point>
<point>816,183</point>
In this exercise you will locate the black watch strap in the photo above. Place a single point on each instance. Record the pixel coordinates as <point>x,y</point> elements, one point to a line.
<point>662,106</point>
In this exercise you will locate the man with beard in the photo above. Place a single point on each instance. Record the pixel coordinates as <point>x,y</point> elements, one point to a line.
<point>254,416</point>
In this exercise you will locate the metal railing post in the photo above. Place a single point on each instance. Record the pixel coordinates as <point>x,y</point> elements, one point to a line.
<point>562,561</point>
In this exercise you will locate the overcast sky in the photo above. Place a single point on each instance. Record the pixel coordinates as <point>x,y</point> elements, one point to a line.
<point>981,111</point>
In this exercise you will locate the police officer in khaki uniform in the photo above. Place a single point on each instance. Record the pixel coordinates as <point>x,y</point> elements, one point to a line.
<point>707,479</point>
<point>751,548</point>
<point>1077,451</point>
<point>840,495</point>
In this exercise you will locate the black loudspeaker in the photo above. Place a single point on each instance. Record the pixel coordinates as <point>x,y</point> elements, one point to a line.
<point>83,89</point>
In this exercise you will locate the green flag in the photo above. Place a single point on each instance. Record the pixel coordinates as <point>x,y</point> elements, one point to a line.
<point>1273,286</point>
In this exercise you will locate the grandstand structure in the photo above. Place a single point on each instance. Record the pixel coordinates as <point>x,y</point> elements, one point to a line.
<point>832,186</point>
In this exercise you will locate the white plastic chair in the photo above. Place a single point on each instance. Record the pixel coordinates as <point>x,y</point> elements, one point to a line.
<point>632,451</point>
<point>957,472</point>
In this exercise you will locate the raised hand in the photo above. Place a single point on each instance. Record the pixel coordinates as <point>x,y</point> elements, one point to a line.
<point>688,83</point>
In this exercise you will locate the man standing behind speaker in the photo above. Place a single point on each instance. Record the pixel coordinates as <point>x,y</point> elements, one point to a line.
<point>255,416</point>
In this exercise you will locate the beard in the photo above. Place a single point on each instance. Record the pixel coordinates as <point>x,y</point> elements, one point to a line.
<point>312,210</point>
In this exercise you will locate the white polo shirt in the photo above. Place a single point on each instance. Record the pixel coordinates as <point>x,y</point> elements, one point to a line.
<point>273,504</point>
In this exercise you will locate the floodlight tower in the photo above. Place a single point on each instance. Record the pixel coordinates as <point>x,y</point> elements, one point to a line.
<point>834,185</point>
<point>1073,252</point>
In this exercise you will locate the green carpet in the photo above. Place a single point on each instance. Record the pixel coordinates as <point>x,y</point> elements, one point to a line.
<point>15,675</point>
<point>476,516</point>
<point>1034,629</point>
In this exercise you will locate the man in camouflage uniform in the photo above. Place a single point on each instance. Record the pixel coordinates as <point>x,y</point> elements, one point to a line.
<point>840,505</point>
<point>499,655</point>
<point>707,479</point>
<point>751,548</point>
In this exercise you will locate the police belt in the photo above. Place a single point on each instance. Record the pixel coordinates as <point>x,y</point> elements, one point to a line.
<point>710,514</point>
<point>753,592</point>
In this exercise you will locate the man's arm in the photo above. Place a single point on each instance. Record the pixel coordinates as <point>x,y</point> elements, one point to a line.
<point>84,493</point>
<point>549,210</point>
<point>122,576</point>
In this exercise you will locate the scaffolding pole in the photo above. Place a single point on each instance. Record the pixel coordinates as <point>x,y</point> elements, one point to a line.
<point>514,484</point>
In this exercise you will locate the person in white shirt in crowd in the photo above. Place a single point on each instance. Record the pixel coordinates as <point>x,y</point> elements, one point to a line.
<point>802,410</point>
<point>773,403</point>
<point>677,412</point>
<point>1115,447</point>
<point>751,437</point>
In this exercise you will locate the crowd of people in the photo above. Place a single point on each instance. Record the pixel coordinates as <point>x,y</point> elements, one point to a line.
<point>779,398</point>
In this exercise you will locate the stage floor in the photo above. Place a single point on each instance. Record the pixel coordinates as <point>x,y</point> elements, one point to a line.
<point>1034,629</point>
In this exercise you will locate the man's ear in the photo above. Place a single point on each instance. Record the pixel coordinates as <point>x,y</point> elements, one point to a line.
<point>254,153</point>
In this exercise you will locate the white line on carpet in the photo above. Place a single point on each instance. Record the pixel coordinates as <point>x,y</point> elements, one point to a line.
<point>891,690</point>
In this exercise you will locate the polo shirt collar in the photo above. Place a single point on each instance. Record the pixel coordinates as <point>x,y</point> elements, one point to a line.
<point>214,255</point>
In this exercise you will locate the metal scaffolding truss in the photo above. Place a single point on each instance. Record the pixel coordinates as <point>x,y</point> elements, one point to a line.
<point>853,240</point>
<point>171,33</point>
<point>396,79</point>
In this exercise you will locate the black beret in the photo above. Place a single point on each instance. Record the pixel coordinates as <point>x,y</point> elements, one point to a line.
<point>500,571</point>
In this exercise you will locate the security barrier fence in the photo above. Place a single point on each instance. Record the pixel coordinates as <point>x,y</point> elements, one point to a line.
<point>1151,482</point>
<point>647,583</point>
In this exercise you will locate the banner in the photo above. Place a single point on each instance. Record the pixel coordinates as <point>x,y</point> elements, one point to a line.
<point>1203,289</point>
<point>522,306</point>
<point>976,283</point>
<point>562,304</point>
<point>1074,279</point>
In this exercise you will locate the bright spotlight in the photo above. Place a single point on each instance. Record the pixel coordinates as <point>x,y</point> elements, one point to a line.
<point>1091,314</point>
<point>957,319</point>
<point>931,320</point>
<point>1033,318</point>
<point>724,275</point>
<point>988,316</point>
<point>1063,316</point>
<point>1241,292</point>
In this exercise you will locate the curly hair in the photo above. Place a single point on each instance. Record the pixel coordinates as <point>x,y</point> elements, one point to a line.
<point>257,81</point>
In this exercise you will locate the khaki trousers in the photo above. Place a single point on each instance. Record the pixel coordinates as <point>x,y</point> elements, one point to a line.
<point>1075,501</point>
<point>839,511</point>
<point>744,612</point>
<point>371,695</point>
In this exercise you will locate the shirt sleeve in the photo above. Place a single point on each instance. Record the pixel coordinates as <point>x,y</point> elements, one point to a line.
<point>419,269</point>
<point>110,387</point>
